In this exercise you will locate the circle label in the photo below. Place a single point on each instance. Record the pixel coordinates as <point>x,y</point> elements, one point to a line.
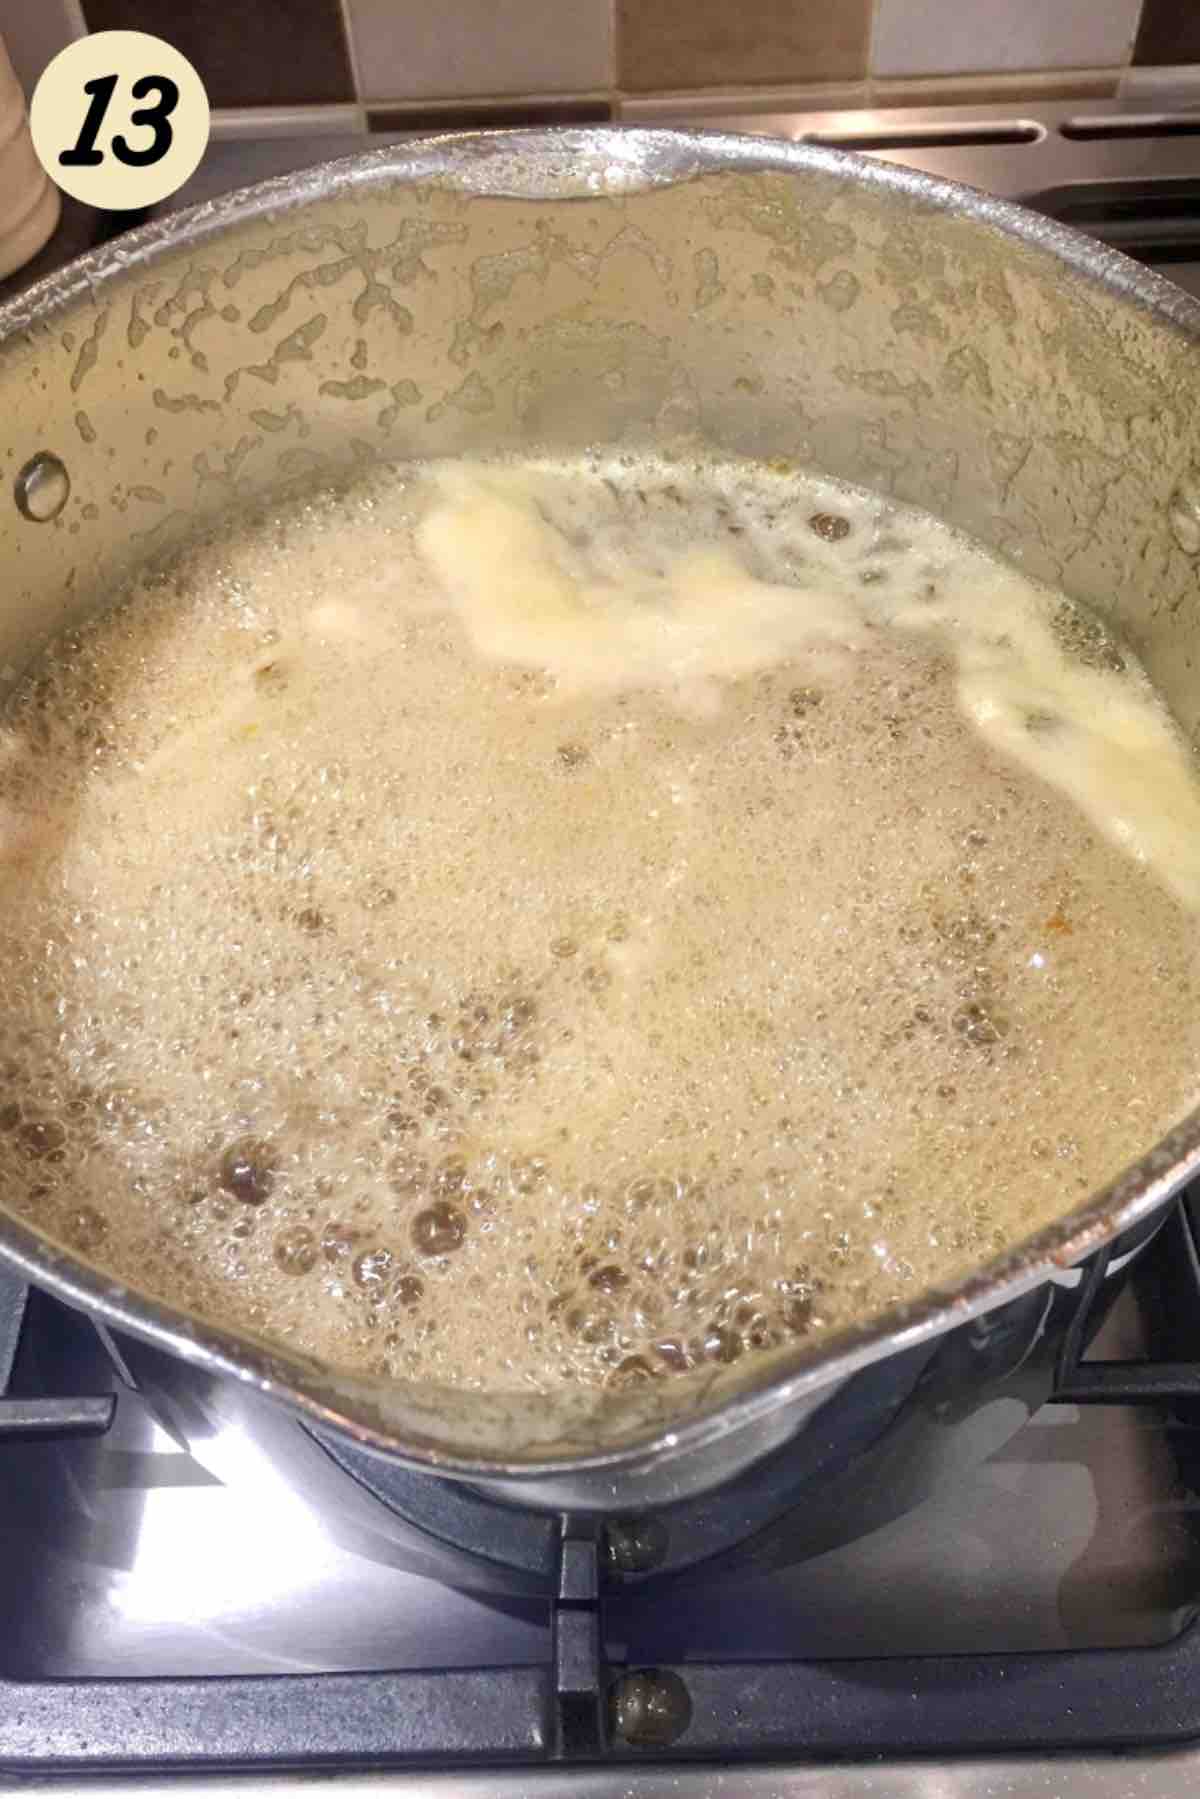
<point>119,120</point>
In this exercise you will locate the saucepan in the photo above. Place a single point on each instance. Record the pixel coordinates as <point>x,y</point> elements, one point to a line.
<point>477,293</point>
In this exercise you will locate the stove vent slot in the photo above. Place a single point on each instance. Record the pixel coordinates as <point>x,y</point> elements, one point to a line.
<point>1156,221</point>
<point>1097,129</point>
<point>930,137</point>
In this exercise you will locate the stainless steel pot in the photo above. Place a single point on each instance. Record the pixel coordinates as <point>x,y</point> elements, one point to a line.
<point>657,289</point>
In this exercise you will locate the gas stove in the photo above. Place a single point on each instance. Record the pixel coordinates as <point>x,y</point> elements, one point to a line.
<point>183,1611</point>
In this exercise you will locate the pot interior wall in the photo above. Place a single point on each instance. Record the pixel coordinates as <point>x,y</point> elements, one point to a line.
<point>806,315</point>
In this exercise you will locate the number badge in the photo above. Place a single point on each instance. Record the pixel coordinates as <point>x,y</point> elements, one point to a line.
<point>119,120</point>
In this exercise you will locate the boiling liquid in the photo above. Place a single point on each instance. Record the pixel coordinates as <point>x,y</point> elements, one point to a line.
<point>511,927</point>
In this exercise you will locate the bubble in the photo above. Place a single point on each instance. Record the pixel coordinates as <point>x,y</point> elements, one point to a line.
<point>591,1324</point>
<point>526,1173</point>
<point>450,1176</point>
<point>372,1269</point>
<point>85,1228</point>
<point>408,1173</point>
<point>978,1027</point>
<point>608,1278</point>
<point>1183,513</point>
<point>296,1250</point>
<point>338,1240</point>
<point>439,1230</point>
<point>402,1124</point>
<point>721,1345</point>
<point>704,1257</point>
<point>643,1191</point>
<point>829,525</point>
<point>408,1290</point>
<point>799,1316</point>
<point>312,920</point>
<point>631,1371</point>
<point>42,1139</point>
<point>248,1169</point>
<point>517,1014</point>
<point>674,1355</point>
<point>42,487</point>
<point>377,896</point>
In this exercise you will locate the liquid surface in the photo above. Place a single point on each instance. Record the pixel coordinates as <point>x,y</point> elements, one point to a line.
<point>565,926</point>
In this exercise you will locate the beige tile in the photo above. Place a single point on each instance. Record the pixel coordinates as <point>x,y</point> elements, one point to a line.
<point>415,50</point>
<point>947,37</point>
<point>720,43</point>
<point>34,31</point>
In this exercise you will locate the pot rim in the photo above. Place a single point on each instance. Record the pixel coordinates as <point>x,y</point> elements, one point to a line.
<point>564,163</point>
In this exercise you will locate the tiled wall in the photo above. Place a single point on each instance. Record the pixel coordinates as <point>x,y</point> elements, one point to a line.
<point>377,63</point>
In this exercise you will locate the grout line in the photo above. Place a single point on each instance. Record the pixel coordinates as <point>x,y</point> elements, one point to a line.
<point>1177,81</point>
<point>593,96</point>
<point>785,97</point>
<point>872,33</point>
<point>77,24</point>
<point>505,112</point>
<point>351,51</point>
<point>920,92</point>
<point>324,119</point>
<point>1017,85</point>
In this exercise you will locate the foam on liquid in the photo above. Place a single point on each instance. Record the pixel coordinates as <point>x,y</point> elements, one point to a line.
<point>524,926</point>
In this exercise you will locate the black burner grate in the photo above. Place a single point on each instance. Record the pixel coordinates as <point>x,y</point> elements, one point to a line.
<point>42,1416</point>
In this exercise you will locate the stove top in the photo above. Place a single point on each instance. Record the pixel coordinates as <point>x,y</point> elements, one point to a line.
<point>178,1606</point>
<point>181,1611</point>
